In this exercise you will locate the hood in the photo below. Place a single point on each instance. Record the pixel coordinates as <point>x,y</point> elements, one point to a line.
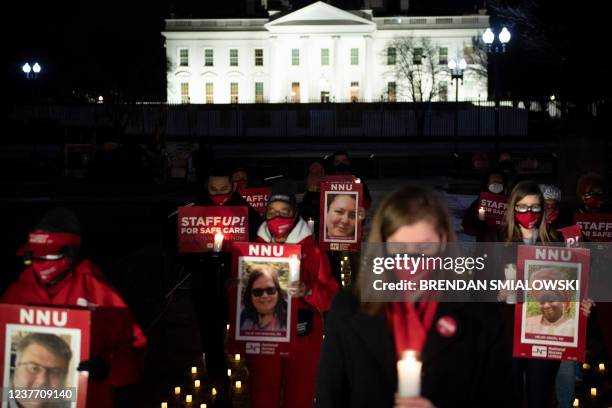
<point>299,232</point>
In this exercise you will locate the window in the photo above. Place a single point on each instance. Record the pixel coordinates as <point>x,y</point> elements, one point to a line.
<point>392,91</point>
<point>443,91</point>
<point>210,93</point>
<point>184,92</point>
<point>208,58</point>
<point>258,57</point>
<point>417,56</point>
<point>391,56</point>
<point>259,95</point>
<point>324,56</point>
<point>354,56</point>
<point>354,91</point>
<point>295,56</point>
<point>443,60</point>
<point>295,92</point>
<point>184,57</point>
<point>234,92</point>
<point>324,96</point>
<point>233,58</point>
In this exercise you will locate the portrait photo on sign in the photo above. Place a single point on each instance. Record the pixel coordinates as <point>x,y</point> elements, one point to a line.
<point>263,303</point>
<point>41,357</point>
<point>550,314</point>
<point>341,216</point>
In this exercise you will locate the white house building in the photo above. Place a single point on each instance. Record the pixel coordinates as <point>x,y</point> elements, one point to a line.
<point>319,53</point>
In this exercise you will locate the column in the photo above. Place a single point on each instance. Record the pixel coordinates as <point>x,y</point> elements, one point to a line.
<point>368,76</point>
<point>273,62</point>
<point>337,85</point>
<point>304,68</point>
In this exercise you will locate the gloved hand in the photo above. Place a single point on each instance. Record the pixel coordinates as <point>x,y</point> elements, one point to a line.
<point>97,368</point>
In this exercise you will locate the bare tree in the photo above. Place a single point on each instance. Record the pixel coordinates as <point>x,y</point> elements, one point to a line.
<point>417,68</point>
<point>476,56</point>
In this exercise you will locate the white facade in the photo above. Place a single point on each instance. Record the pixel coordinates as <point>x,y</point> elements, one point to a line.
<point>362,75</point>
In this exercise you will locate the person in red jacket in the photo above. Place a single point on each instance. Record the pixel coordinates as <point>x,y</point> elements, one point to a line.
<point>57,277</point>
<point>296,374</point>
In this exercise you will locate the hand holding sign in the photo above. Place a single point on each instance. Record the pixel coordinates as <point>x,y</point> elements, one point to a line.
<point>200,228</point>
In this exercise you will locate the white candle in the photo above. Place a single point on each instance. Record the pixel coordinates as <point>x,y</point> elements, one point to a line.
<point>194,370</point>
<point>177,390</point>
<point>593,392</point>
<point>218,242</point>
<point>409,375</point>
<point>229,372</point>
<point>164,405</point>
<point>202,405</point>
<point>188,398</point>
<point>238,385</point>
<point>311,225</point>
<point>196,383</point>
<point>481,213</point>
<point>576,403</point>
<point>214,391</point>
<point>602,367</point>
<point>227,327</point>
<point>586,366</point>
<point>237,357</point>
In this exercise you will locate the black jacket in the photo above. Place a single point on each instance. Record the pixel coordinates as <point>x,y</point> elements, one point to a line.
<point>358,361</point>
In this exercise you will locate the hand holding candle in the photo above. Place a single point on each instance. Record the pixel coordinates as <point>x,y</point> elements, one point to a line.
<point>409,375</point>
<point>481,213</point>
<point>218,242</point>
<point>311,225</point>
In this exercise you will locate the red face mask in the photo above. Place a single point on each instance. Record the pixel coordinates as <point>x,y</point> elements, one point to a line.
<point>595,201</point>
<point>280,226</point>
<point>220,199</point>
<point>240,184</point>
<point>49,270</point>
<point>529,219</point>
<point>552,215</point>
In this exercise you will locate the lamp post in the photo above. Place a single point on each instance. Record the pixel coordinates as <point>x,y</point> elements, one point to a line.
<point>31,71</point>
<point>456,70</point>
<point>496,48</point>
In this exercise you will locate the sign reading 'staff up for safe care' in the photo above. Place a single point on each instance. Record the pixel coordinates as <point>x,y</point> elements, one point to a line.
<point>197,227</point>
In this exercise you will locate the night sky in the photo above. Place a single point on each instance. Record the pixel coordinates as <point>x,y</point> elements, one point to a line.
<point>115,47</point>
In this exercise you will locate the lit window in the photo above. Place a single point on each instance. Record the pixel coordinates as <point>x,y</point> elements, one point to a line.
<point>259,95</point>
<point>184,92</point>
<point>210,94</point>
<point>354,91</point>
<point>392,91</point>
<point>234,92</point>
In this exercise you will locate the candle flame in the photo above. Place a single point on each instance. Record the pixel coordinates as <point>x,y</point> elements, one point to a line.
<point>409,355</point>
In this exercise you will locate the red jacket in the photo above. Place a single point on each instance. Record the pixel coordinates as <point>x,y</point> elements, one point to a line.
<point>116,336</point>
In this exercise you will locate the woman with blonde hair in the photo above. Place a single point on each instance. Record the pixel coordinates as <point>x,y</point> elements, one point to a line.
<point>460,345</point>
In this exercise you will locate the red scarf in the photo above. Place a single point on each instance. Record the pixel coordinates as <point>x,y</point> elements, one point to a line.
<point>410,324</point>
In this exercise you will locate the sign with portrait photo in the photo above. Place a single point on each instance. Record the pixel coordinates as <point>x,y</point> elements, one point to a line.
<point>41,350</point>
<point>263,317</point>
<point>198,225</point>
<point>340,204</point>
<point>548,323</point>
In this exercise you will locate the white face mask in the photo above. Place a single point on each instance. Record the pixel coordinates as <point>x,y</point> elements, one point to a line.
<point>496,188</point>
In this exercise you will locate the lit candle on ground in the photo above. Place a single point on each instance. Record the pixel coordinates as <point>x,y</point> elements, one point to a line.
<point>194,370</point>
<point>238,385</point>
<point>586,366</point>
<point>214,391</point>
<point>177,390</point>
<point>311,225</point>
<point>602,367</point>
<point>237,357</point>
<point>227,327</point>
<point>593,392</point>
<point>409,375</point>
<point>202,405</point>
<point>164,405</point>
<point>481,213</point>
<point>576,403</point>
<point>229,372</point>
<point>218,242</point>
<point>196,383</point>
<point>188,398</point>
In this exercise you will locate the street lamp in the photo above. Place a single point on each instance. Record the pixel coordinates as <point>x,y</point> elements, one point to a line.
<point>496,48</point>
<point>457,69</point>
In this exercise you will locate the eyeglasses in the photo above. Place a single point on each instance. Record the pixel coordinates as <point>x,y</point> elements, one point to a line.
<point>284,214</point>
<point>590,194</point>
<point>258,292</point>
<point>54,373</point>
<point>523,208</point>
<point>49,257</point>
